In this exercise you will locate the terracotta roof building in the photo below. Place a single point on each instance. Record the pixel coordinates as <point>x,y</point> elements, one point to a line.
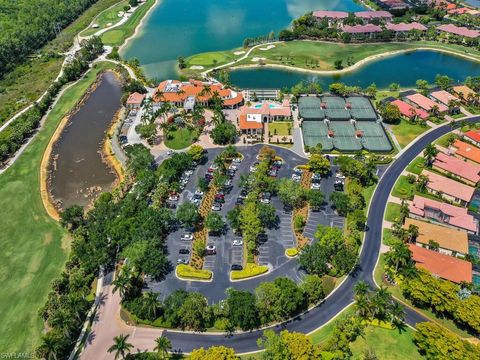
<point>457,168</point>
<point>426,103</point>
<point>466,151</point>
<point>473,136</point>
<point>369,15</point>
<point>251,118</point>
<point>331,15</point>
<point>459,31</point>
<point>451,241</point>
<point>182,93</point>
<point>362,29</point>
<point>449,189</point>
<point>450,215</point>
<point>135,100</point>
<point>443,266</point>
<point>410,111</point>
<point>464,92</point>
<point>443,96</point>
<point>404,27</point>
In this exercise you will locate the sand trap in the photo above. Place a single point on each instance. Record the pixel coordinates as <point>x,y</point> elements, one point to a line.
<point>196,67</point>
<point>267,47</point>
<point>109,24</point>
<point>239,52</point>
<point>258,58</point>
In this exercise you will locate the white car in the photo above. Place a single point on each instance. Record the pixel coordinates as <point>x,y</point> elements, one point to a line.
<point>213,167</point>
<point>187,237</point>
<point>237,243</point>
<point>265,201</point>
<point>237,160</point>
<point>182,261</point>
<point>233,167</point>
<point>315,186</point>
<point>170,152</point>
<point>339,175</point>
<point>253,168</point>
<point>188,172</point>
<point>295,177</point>
<point>198,193</point>
<point>173,197</point>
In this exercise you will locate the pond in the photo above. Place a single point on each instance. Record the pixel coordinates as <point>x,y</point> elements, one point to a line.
<point>186,27</point>
<point>403,69</point>
<point>77,171</point>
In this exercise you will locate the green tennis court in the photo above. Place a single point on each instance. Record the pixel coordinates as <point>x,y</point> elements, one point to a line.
<point>315,132</point>
<point>374,137</point>
<point>361,108</point>
<point>344,138</point>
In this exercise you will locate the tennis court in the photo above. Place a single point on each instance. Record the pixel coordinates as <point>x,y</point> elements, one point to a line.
<point>374,137</point>
<point>309,108</point>
<point>344,136</point>
<point>361,108</point>
<point>315,132</point>
<point>335,108</point>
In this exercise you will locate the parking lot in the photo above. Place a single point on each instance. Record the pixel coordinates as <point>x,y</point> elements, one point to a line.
<point>271,251</point>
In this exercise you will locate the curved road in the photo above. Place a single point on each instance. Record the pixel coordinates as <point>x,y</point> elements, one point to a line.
<point>334,304</point>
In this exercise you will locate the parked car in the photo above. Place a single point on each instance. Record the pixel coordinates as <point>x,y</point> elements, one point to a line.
<point>239,201</point>
<point>198,193</point>
<point>338,186</point>
<point>173,197</point>
<point>287,209</point>
<point>228,184</point>
<point>237,242</point>
<point>170,152</point>
<point>184,251</point>
<point>182,261</point>
<point>237,160</point>
<point>187,237</point>
<point>316,177</point>
<point>216,207</point>
<point>296,178</point>
<point>243,194</point>
<point>315,186</point>
<point>219,198</point>
<point>236,267</point>
<point>210,250</point>
<point>339,175</point>
<point>233,167</point>
<point>298,171</point>
<point>122,139</point>
<point>272,173</point>
<point>278,163</point>
<point>208,176</point>
<point>253,168</point>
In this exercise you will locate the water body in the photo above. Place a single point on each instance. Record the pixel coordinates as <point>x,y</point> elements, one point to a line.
<point>475,3</point>
<point>403,69</point>
<point>186,27</point>
<point>78,173</point>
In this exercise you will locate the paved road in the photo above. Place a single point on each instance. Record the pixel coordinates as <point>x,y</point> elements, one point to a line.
<point>143,338</point>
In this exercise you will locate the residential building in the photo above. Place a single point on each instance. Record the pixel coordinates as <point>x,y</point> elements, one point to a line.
<point>450,241</point>
<point>410,111</point>
<point>442,266</point>
<point>371,15</point>
<point>466,151</point>
<point>135,100</point>
<point>252,117</point>
<point>426,103</point>
<point>448,189</point>
<point>459,31</point>
<point>457,168</point>
<point>473,136</point>
<point>190,93</point>
<point>333,17</point>
<point>449,215</point>
<point>403,28</point>
<point>363,30</point>
<point>443,97</point>
<point>464,92</point>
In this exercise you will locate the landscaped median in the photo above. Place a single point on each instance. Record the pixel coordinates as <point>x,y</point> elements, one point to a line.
<point>292,252</point>
<point>250,270</point>
<point>188,272</point>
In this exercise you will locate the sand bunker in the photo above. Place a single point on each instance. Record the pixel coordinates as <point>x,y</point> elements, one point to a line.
<point>267,47</point>
<point>196,67</point>
<point>239,52</point>
<point>258,58</point>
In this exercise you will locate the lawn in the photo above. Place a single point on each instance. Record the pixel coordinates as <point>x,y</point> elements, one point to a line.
<point>387,344</point>
<point>180,138</point>
<point>280,128</point>
<point>117,36</point>
<point>403,189</point>
<point>393,212</point>
<point>416,166</point>
<point>109,16</point>
<point>321,335</point>
<point>34,246</point>
<point>406,132</point>
<point>388,238</point>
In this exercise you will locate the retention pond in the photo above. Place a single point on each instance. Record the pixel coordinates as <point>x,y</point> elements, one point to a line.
<point>77,171</point>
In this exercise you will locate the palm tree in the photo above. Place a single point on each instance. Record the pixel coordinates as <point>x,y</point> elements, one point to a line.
<point>121,347</point>
<point>121,284</point>
<point>152,304</point>
<point>399,256</point>
<point>49,347</point>
<point>430,153</point>
<point>163,345</point>
<point>397,315</point>
<point>361,289</point>
<point>404,211</point>
<point>206,91</point>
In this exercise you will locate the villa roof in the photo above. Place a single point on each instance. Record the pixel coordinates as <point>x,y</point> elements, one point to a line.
<point>135,98</point>
<point>426,103</point>
<point>406,27</point>
<point>330,14</point>
<point>409,110</point>
<point>443,266</point>
<point>446,237</point>
<point>466,151</point>
<point>362,29</point>
<point>459,30</point>
<point>448,186</point>
<point>267,108</point>
<point>473,135</point>
<point>246,124</point>
<point>368,15</point>
<point>457,167</point>
<point>463,91</point>
<point>443,96</point>
<point>455,216</point>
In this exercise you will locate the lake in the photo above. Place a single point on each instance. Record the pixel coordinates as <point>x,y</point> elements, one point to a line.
<point>403,69</point>
<point>186,27</point>
<point>77,171</point>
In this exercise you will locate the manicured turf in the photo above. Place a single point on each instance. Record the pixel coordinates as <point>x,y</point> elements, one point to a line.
<point>280,128</point>
<point>387,344</point>
<point>321,335</point>
<point>406,132</point>
<point>403,189</point>
<point>181,138</point>
<point>416,166</point>
<point>393,212</point>
<point>34,247</point>
<point>117,36</point>
<point>209,59</point>
<point>109,16</point>
<point>388,238</point>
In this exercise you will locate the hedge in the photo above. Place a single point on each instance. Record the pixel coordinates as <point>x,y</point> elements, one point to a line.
<point>250,270</point>
<point>189,272</point>
<point>292,252</point>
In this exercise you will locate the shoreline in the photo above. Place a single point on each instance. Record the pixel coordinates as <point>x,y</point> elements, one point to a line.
<point>351,68</point>
<point>139,26</point>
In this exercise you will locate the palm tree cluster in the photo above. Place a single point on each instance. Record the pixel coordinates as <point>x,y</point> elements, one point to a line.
<point>377,304</point>
<point>121,347</point>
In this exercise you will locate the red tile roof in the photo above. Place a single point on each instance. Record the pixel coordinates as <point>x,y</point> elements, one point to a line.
<point>362,29</point>
<point>368,15</point>
<point>458,167</point>
<point>406,27</point>
<point>245,124</point>
<point>458,30</point>
<point>467,151</point>
<point>448,186</point>
<point>463,91</point>
<point>443,96</point>
<point>409,111</point>
<point>426,103</point>
<point>473,135</point>
<point>444,266</point>
<point>135,98</point>
<point>330,14</point>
